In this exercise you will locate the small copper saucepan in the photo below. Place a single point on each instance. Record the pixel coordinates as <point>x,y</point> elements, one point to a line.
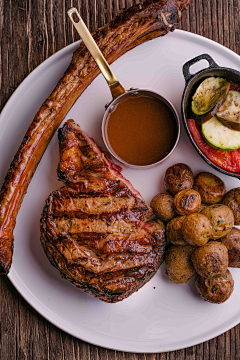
<point>118,91</point>
<point>192,83</point>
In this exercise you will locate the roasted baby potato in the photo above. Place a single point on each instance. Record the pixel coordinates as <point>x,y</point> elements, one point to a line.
<point>179,266</point>
<point>216,290</point>
<point>210,187</point>
<point>187,202</point>
<point>196,229</point>
<point>202,207</point>
<point>232,243</point>
<point>210,260</point>
<point>232,200</point>
<point>163,207</point>
<point>174,231</point>
<point>177,178</point>
<point>222,219</point>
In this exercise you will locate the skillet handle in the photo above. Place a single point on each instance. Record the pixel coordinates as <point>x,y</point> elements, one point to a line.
<point>189,63</point>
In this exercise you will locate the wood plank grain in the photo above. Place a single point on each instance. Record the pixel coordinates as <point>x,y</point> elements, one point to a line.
<point>115,8</point>
<point>122,4</point>
<point>199,17</point>
<point>207,23</point>
<point>214,20</point>
<point>219,17</point>
<point>235,336</point>
<point>100,13</point>
<point>205,349</point>
<point>236,11</point>
<point>7,56</point>
<point>37,34</point>
<point>31,31</point>
<point>9,320</point>
<point>225,20</point>
<point>108,10</point>
<point>33,334</point>
<point>92,5</point>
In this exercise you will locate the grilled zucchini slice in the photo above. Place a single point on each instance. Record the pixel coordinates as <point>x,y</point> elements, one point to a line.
<point>219,136</point>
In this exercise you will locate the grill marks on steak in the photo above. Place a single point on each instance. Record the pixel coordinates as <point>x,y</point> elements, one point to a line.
<point>94,230</point>
<point>104,212</point>
<point>84,167</point>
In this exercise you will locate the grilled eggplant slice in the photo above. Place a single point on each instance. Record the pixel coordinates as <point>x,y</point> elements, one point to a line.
<point>207,95</point>
<point>229,111</point>
<point>219,136</point>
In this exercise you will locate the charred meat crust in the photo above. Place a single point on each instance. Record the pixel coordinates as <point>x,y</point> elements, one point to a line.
<point>110,286</point>
<point>132,27</point>
<point>98,237</point>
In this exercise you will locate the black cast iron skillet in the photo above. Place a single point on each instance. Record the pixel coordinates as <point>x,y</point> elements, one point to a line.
<point>192,82</point>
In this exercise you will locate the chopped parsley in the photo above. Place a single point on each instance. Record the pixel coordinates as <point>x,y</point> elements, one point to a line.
<point>214,289</point>
<point>220,222</point>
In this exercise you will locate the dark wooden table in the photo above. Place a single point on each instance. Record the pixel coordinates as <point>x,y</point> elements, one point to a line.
<point>31,31</point>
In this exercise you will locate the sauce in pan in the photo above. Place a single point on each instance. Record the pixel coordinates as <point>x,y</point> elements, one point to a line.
<point>141,129</point>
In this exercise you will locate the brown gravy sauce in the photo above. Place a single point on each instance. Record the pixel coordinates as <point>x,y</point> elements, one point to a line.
<point>141,129</point>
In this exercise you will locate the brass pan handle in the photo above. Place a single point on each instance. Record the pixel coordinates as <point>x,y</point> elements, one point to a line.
<point>114,85</point>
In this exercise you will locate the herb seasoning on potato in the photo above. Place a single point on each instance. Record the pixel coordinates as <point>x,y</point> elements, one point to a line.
<point>179,266</point>
<point>222,219</point>
<point>210,187</point>
<point>177,178</point>
<point>163,207</point>
<point>232,200</point>
<point>210,260</point>
<point>174,231</point>
<point>187,202</point>
<point>232,242</point>
<point>216,290</point>
<point>196,229</point>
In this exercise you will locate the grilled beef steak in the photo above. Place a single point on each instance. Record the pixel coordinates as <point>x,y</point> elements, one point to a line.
<point>95,230</point>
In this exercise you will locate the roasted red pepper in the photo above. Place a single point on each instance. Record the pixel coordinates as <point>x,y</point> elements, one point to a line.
<point>227,160</point>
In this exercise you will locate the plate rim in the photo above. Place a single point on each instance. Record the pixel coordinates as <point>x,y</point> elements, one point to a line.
<point>123,344</point>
